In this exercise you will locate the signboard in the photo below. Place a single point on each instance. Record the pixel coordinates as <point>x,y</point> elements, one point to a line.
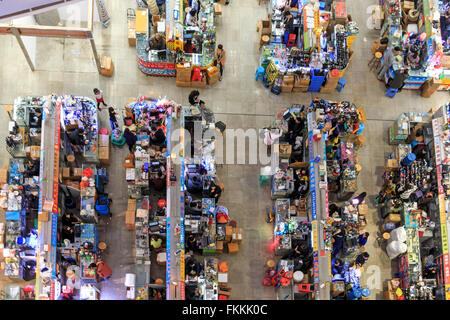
<point>168,260</point>
<point>437,141</point>
<point>314,231</point>
<point>11,7</point>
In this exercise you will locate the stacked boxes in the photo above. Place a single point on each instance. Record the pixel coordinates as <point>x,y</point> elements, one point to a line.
<point>301,84</point>
<point>184,73</point>
<point>212,74</point>
<point>288,83</point>
<point>331,83</point>
<point>132,33</point>
<point>266,27</point>
<point>35,152</point>
<point>103,152</point>
<point>130,216</point>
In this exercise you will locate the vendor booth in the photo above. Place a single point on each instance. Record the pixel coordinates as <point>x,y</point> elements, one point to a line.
<point>413,204</point>
<point>306,47</point>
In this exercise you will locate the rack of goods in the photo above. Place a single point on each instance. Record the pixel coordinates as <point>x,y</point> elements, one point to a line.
<point>309,47</point>
<point>412,206</point>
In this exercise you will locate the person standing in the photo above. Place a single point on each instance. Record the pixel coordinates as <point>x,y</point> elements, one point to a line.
<point>206,113</point>
<point>220,59</point>
<point>362,239</point>
<point>130,138</point>
<point>113,118</point>
<point>399,80</point>
<point>362,259</point>
<point>99,97</point>
<point>389,58</point>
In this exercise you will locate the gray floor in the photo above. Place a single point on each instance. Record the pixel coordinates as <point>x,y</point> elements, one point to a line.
<point>67,66</point>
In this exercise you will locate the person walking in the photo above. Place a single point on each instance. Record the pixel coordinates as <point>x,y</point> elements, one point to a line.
<point>193,97</point>
<point>220,59</point>
<point>99,97</point>
<point>389,58</point>
<point>130,138</point>
<point>113,118</point>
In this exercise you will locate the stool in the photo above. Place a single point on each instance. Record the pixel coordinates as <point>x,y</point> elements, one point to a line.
<point>102,246</point>
<point>291,40</point>
<point>233,223</point>
<point>260,72</point>
<point>264,40</point>
<point>374,63</point>
<point>270,264</point>
<point>386,236</point>
<point>391,93</point>
<point>298,276</point>
<point>305,287</point>
<point>263,180</point>
<point>159,281</point>
<point>341,84</point>
<point>71,158</point>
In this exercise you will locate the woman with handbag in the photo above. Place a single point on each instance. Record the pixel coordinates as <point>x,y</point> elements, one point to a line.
<point>220,59</point>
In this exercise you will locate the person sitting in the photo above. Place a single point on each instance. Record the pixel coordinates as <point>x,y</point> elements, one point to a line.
<point>157,136</point>
<point>194,183</point>
<point>362,238</point>
<point>398,82</point>
<point>156,42</point>
<point>159,182</point>
<point>191,18</point>
<point>193,268</point>
<point>76,138</point>
<point>188,46</point>
<point>362,259</point>
<point>70,220</point>
<point>68,233</point>
<point>337,266</point>
<point>156,243</point>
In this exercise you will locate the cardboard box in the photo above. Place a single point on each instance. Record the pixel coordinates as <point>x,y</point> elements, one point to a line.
<point>107,66</point>
<point>233,247</point>
<point>183,83</point>
<point>288,80</point>
<point>213,78</point>
<point>132,37</point>
<point>212,71</point>
<point>228,233</point>
<point>363,209</point>
<point>131,205</point>
<point>408,5</point>
<point>300,89</point>
<point>217,9</point>
<point>77,173</point>
<point>238,235</point>
<point>391,164</point>
<point>129,163</point>
<point>287,88</point>
<point>66,173</point>
<point>430,87</point>
<point>285,151</point>
<point>3,176</point>
<point>130,219</point>
<point>43,216</point>
<point>219,246</point>
<point>103,140</point>
<point>103,155</point>
<point>199,84</point>
<point>266,27</point>
<point>393,217</point>
<point>35,152</point>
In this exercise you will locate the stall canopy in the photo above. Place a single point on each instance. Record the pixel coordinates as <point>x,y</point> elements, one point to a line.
<point>12,9</point>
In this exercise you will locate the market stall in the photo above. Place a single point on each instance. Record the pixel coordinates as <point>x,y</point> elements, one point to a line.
<point>167,46</point>
<point>412,206</point>
<point>414,27</point>
<point>309,47</point>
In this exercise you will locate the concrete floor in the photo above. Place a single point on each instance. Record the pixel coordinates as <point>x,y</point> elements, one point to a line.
<point>67,66</point>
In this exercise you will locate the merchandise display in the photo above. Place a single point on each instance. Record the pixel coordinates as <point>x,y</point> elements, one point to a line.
<point>309,47</point>
<point>419,29</point>
<point>412,205</point>
<point>168,45</point>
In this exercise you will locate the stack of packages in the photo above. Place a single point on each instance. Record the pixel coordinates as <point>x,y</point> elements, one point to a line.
<point>222,279</point>
<point>301,83</point>
<point>331,82</point>
<point>233,237</point>
<point>183,75</point>
<point>132,33</point>
<point>212,74</point>
<point>72,177</point>
<point>288,83</point>
<point>103,152</point>
<point>130,214</point>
